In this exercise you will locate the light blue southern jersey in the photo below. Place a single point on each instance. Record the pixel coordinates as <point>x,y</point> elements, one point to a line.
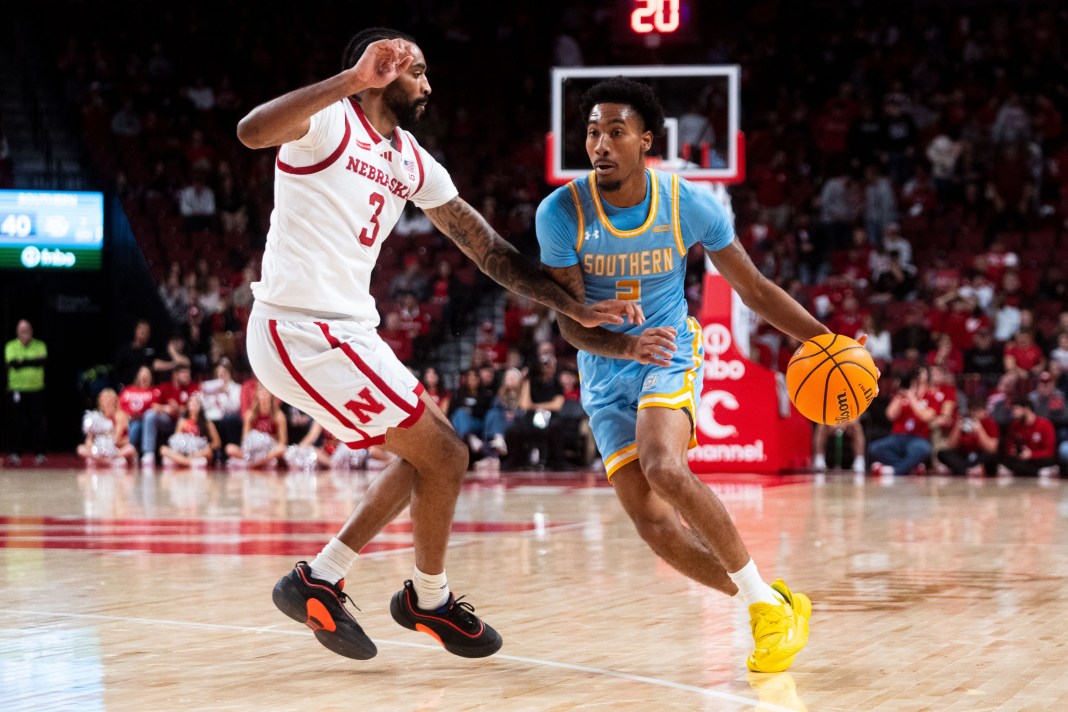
<point>633,253</point>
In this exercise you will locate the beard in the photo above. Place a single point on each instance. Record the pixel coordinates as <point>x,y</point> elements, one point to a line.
<point>406,110</point>
<point>609,186</point>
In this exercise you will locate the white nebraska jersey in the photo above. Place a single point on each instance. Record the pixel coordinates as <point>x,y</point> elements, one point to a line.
<point>338,192</point>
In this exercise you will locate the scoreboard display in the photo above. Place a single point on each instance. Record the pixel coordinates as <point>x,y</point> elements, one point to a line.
<point>51,230</point>
<point>653,23</point>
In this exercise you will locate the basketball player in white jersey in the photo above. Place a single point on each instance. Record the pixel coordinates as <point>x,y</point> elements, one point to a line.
<point>344,171</point>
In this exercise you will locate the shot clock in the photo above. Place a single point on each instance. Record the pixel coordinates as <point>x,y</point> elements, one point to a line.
<point>656,22</point>
<point>655,16</point>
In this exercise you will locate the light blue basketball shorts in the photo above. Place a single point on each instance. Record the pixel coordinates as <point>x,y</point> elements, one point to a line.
<point>614,390</point>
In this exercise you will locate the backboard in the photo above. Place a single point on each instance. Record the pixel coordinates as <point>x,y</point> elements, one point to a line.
<point>702,105</point>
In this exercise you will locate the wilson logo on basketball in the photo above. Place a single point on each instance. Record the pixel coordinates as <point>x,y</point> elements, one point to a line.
<point>843,409</point>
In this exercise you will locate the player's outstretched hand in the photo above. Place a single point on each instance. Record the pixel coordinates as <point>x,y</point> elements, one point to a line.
<point>610,311</point>
<point>655,345</point>
<point>382,62</point>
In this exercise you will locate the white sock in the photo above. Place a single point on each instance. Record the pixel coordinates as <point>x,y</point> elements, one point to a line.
<point>333,562</point>
<point>432,590</point>
<point>751,588</point>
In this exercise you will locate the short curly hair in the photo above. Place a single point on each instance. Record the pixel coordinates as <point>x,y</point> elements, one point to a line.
<point>620,90</point>
<point>362,39</point>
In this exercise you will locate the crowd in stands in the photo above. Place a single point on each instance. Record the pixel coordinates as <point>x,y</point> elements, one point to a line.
<point>171,409</point>
<point>907,179</point>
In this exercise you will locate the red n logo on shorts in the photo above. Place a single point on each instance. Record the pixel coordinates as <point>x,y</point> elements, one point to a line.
<point>363,404</point>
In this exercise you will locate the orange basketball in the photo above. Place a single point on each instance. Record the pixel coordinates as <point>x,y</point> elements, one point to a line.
<point>832,379</point>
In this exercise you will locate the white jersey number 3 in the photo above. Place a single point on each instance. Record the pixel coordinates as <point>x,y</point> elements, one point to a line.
<point>378,201</point>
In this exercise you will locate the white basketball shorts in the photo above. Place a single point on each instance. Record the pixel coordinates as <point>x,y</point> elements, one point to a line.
<point>338,372</point>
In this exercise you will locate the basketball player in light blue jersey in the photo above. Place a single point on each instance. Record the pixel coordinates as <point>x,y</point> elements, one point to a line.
<point>623,231</point>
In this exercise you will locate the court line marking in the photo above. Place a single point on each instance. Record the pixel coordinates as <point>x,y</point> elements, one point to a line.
<point>717,694</point>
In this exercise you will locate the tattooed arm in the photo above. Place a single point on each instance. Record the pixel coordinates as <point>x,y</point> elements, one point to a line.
<point>502,262</point>
<point>653,346</point>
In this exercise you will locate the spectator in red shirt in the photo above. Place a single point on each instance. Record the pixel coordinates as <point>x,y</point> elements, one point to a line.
<point>946,355</point>
<point>849,318</point>
<point>519,321</point>
<point>413,320</point>
<point>944,401</point>
<point>135,400</point>
<point>1023,356</point>
<point>918,194</point>
<point>444,292</point>
<point>828,296</point>
<point>943,395</point>
<point>856,263</point>
<point>959,317</point>
<point>159,422</point>
<point>832,131</point>
<point>972,444</point>
<point>435,389</point>
<point>998,261</point>
<point>760,235</point>
<point>397,337</point>
<point>569,382</point>
<point>1030,444</point>
<point>770,187</point>
<point>911,412</point>
<point>494,351</point>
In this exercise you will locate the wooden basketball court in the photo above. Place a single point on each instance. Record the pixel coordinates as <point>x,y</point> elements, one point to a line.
<point>130,592</point>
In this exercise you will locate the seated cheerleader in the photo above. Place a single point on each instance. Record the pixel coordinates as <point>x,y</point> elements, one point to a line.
<point>319,448</point>
<point>195,438</point>
<point>263,437</point>
<point>107,433</point>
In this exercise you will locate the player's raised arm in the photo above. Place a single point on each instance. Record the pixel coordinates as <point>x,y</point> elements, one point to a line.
<point>764,296</point>
<point>502,262</point>
<point>655,345</point>
<point>287,118</point>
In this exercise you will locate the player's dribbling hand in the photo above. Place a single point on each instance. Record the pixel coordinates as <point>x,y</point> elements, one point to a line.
<point>382,62</point>
<point>655,345</point>
<point>610,311</point>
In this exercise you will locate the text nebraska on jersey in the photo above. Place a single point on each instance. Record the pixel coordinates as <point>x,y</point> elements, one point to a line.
<point>383,179</point>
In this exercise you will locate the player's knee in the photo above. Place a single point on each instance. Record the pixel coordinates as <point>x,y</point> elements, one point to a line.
<point>654,531</point>
<point>454,457</point>
<point>667,477</point>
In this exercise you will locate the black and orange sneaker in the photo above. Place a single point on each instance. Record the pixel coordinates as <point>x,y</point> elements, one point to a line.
<point>454,625</point>
<point>321,606</point>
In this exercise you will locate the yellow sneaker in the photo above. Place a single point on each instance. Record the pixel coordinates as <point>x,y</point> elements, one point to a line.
<point>779,632</point>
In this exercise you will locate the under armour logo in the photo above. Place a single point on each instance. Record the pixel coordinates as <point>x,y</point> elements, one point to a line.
<point>592,234</point>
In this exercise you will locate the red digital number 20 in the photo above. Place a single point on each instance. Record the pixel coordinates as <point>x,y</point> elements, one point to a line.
<point>379,202</point>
